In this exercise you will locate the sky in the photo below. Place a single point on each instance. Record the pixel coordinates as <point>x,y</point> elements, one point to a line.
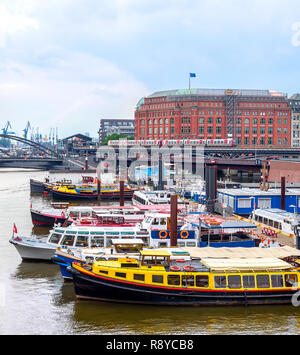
<point>69,63</point>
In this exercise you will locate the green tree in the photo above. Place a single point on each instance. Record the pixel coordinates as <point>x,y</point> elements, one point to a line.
<point>115,137</point>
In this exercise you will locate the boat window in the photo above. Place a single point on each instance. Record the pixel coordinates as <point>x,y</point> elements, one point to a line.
<point>85,214</point>
<point>82,241</point>
<point>220,282</point>
<point>277,280</point>
<point>163,222</point>
<point>74,214</point>
<point>190,244</point>
<point>139,277</point>
<point>188,281</point>
<point>263,281</point>
<point>55,238</point>
<point>68,240</point>
<point>120,274</point>
<point>202,281</point>
<point>157,279</point>
<point>248,281</point>
<point>103,272</point>
<point>234,281</point>
<point>174,280</point>
<point>108,242</point>
<point>97,242</point>
<point>290,280</point>
<point>181,244</point>
<point>162,244</point>
<point>155,222</point>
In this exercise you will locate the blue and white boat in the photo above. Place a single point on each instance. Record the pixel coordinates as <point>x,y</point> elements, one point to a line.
<point>121,248</point>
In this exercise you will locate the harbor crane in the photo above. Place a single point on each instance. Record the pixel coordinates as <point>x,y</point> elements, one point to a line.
<point>8,126</point>
<point>26,130</point>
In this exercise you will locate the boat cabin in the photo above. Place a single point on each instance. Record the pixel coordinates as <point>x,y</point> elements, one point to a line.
<point>155,258</point>
<point>60,205</point>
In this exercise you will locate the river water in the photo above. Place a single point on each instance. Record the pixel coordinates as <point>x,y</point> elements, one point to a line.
<point>34,299</point>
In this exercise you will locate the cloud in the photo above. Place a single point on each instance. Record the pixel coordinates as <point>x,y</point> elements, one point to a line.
<point>72,93</point>
<point>13,22</point>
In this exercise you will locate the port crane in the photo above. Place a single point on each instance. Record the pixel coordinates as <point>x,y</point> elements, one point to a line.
<point>26,130</point>
<point>8,126</point>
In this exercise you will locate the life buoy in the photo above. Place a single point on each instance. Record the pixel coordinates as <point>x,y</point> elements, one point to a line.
<point>163,234</point>
<point>175,268</point>
<point>180,261</point>
<point>188,268</point>
<point>184,234</point>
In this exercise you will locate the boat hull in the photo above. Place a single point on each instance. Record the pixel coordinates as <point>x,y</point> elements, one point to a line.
<point>95,287</point>
<point>110,195</point>
<point>42,220</point>
<point>29,252</point>
<point>36,186</point>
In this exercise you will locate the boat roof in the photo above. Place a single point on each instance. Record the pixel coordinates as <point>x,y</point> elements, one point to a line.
<point>246,191</point>
<point>275,213</point>
<point>209,252</point>
<point>245,264</point>
<point>155,253</point>
<point>228,225</point>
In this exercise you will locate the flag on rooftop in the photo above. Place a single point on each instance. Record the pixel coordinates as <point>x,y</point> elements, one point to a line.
<point>192,75</point>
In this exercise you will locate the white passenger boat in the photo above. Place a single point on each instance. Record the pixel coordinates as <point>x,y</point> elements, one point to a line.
<point>153,230</point>
<point>152,197</point>
<point>121,248</point>
<point>280,220</point>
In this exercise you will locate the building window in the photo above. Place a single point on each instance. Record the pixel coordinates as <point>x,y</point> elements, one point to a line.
<point>264,203</point>
<point>244,203</point>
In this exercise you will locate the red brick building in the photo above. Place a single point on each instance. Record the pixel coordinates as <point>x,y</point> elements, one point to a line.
<point>252,117</point>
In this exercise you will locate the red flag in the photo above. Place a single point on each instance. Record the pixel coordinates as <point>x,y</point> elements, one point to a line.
<point>15,229</point>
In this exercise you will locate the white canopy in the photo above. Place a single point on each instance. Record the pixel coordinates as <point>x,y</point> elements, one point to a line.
<point>232,253</point>
<point>245,264</point>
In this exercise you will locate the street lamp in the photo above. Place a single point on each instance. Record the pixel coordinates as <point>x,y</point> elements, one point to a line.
<point>293,206</point>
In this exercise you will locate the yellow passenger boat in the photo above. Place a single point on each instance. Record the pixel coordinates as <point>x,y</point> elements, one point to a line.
<point>157,280</point>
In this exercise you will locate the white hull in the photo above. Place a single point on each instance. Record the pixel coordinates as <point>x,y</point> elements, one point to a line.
<point>34,253</point>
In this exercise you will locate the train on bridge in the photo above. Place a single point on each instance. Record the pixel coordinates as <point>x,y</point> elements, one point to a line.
<point>173,142</point>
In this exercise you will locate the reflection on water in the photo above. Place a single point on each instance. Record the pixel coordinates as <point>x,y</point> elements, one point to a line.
<point>38,301</point>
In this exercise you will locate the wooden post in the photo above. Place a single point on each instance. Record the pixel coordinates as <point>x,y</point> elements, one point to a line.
<point>121,193</point>
<point>283,192</point>
<point>99,191</point>
<point>173,221</point>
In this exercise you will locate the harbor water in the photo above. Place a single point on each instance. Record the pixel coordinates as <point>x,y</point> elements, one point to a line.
<point>34,299</point>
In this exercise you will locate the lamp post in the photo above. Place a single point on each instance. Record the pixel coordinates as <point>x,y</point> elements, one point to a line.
<point>293,206</point>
